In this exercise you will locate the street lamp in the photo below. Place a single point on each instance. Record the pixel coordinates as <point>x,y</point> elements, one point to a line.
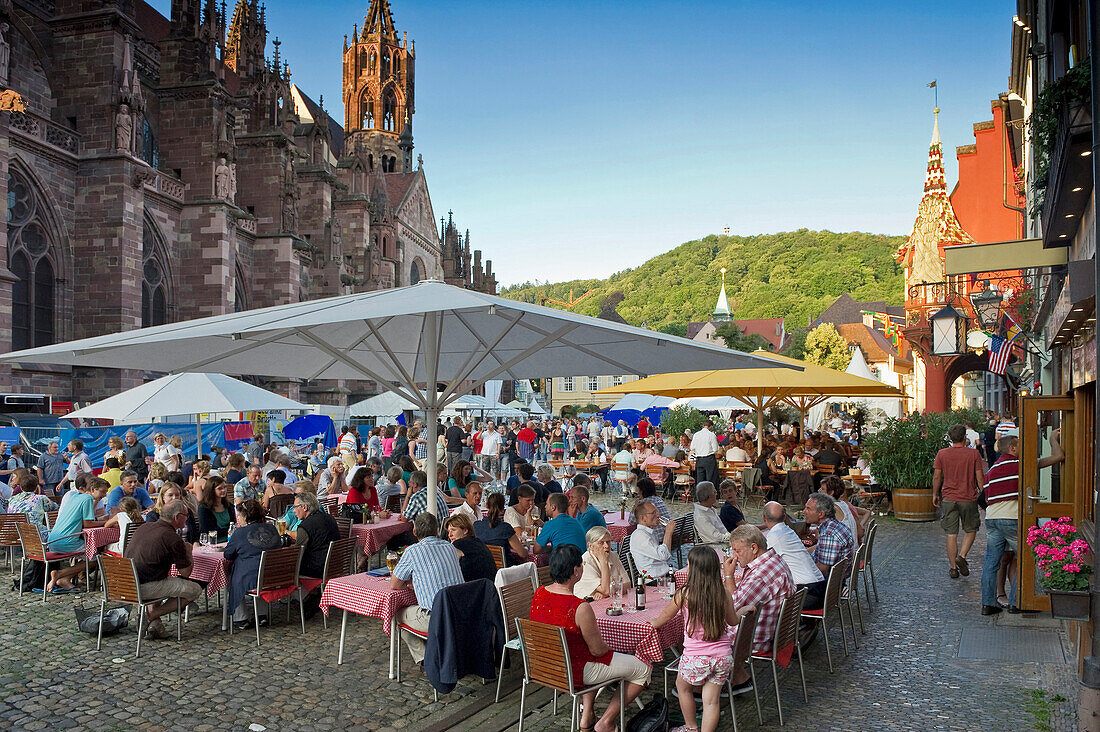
<point>987,306</point>
<point>948,327</point>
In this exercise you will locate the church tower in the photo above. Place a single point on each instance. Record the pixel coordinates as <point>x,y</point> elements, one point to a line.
<point>244,46</point>
<point>378,91</point>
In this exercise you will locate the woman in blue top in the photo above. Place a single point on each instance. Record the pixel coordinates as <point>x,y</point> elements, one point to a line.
<point>460,476</point>
<point>495,531</point>
<point>250,540</point>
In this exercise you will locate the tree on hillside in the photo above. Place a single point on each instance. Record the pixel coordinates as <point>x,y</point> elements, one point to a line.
<point>825,347</point>
<point>796,344</point>
<point>737,340</point>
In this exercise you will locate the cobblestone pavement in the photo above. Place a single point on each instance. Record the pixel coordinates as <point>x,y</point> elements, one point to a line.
<point>907,673</point>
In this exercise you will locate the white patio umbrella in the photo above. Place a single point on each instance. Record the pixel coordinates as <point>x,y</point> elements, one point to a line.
<point>449,338</point>
<point>187,393</point>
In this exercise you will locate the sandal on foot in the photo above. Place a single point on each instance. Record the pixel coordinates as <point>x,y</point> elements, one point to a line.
<point>964,568</point>
<point>954,573</point>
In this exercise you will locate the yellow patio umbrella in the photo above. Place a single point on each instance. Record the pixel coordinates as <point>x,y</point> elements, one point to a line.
<point>761,388</point>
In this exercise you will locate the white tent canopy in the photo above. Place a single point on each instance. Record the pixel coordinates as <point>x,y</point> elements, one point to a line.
<point>641,402</point>
<point>711,404</point>
<point>857,366</point>
<point>535,408</point>
<point>186,394</point>
<point>516,404</point>
<point>386,404</point>
<point>450,338</point>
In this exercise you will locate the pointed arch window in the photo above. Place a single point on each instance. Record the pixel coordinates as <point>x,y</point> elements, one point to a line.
<point>240,297</point>
<point>154,285</point>
<point>30,260</point>
<point>414,273</point>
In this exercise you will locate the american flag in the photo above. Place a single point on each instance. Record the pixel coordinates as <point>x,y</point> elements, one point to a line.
<point>1000,350</point>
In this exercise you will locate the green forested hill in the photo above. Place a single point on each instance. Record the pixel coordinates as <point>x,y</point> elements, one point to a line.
<point>794,275</point>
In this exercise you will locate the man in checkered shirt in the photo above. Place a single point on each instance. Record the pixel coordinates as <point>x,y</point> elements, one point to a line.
<point>835,542</point>
<point>764,583</point>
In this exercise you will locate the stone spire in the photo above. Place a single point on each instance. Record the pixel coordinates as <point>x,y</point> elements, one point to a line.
<point>936,226</point>
<point>379,22</point>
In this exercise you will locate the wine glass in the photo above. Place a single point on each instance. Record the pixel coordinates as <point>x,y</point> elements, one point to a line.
<point>616,594</point>
<point>535,513</point>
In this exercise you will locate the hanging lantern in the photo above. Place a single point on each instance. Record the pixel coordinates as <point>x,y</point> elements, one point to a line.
<point>948,330</point>
<point>987,306</point>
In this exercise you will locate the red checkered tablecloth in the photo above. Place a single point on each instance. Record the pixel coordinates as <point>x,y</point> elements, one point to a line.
<point>210,567</point>
<point>373,537</point>
<point>97,538</point>
<point>632,632</point>
<point>620,528</point>
<point>364,594</point>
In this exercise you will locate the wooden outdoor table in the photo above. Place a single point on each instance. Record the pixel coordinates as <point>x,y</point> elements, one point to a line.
<point>364,594</point>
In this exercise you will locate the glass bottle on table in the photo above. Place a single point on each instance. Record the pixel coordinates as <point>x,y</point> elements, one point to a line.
<point>639,594</point>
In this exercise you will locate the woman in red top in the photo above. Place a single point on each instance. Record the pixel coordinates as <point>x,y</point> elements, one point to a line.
<point>591,660</point>
<point>362,492</point>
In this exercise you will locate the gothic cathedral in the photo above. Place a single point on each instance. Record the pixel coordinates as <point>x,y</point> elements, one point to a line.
<point>160,169</point>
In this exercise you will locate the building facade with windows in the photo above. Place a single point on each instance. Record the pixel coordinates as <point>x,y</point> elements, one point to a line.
<point>579,391</point>
<point>159,169</point>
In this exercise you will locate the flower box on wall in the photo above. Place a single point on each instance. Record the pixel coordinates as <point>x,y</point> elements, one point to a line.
<point>1069,604</point>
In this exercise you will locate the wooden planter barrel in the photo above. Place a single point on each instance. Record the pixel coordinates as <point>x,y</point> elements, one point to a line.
<point>914,504</point>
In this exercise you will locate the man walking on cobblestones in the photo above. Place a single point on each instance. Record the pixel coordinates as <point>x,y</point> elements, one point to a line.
<point>957,473</point>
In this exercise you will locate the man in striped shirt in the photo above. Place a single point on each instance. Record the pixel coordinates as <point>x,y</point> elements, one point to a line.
<point>428,566</point>
<point>1002,496</point>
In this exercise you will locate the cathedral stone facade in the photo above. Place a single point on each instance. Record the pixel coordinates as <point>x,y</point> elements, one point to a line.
<point>161,169</point>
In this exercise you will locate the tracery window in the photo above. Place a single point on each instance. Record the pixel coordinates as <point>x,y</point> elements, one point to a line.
<point>30,259</point>
<point>154,285</point>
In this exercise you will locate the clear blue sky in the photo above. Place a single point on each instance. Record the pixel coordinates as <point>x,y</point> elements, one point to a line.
<point>581,138</point>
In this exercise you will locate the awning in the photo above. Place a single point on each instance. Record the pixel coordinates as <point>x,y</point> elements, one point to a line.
<point>1001,256</point>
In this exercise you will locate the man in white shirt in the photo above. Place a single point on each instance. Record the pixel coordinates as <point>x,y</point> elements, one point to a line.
<point>78,464</point>
<point>736,453</point>
<point>704,445</point>
<point>489,456</point>
<point>650,550</point>
<point>787,545</point>
<point>708,525</point>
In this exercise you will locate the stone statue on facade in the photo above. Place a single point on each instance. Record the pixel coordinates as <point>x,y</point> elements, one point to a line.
<point>290,211</point>
<point>233,182</point>
<point>222,182</point>
<point>124,128</point>
<point>336,250</point>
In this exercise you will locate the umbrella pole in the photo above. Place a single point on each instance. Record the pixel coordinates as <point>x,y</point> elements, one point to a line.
<point>759,432</point>
<point>431,410</point>
<point>198,443</point>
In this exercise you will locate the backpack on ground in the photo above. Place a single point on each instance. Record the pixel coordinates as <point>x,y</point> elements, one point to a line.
<point>33,577</point>
<point>652,718</point>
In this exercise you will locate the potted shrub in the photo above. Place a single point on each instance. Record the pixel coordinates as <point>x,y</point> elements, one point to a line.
<point>1064,563</point>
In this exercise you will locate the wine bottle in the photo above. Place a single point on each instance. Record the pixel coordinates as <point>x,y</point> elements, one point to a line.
<point>639,594</point>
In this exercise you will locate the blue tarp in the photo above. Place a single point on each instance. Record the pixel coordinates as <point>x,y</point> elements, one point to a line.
<point>309,427</point>
<point>10,435</point>
<point>95,438</point>
<point>632,416</point>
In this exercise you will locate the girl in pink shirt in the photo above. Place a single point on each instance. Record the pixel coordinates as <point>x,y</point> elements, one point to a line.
<point>710,622</point>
